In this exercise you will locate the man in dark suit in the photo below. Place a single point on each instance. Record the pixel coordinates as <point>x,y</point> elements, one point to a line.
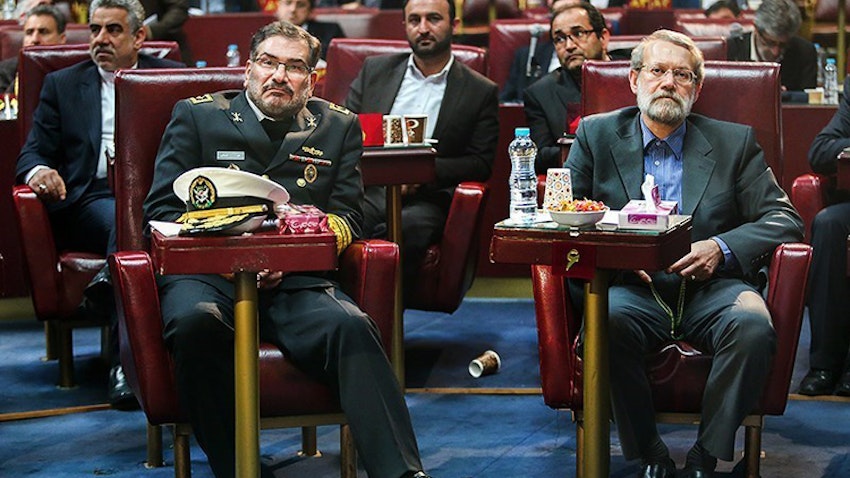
<point>579,34</point>
<point>716,172</point>
<point>44,25</point>
<point>300,13</point>
<point>168,26</point>
<point>462,108</point>
<point>312,148</point>
<point>523,73</point>
<point>65,156</point>
<point>829,288</point>
<point>775,39</point>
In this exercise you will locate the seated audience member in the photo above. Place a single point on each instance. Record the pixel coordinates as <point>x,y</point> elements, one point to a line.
<point>579,34</point>
<point>723,10</point>
<point>775,39</point>
<point>544,60</point>
<point>64,159</point>
<point>299,12</point>
<point>306,315</point>
<point>229,6</point>
<point>829,286</point>
<point>463,117</point>
<point>739,214</point>
<point>168,25</point>
<point>44,25</point>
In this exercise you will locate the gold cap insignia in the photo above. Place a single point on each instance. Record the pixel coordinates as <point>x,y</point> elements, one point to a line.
<point>207,98</point>
<point>202,193</point>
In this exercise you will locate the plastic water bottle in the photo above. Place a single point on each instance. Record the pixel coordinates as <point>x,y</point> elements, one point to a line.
<point>523,181</point>
<point>830,83</point>
<point>233,58</point>
<point>821,56</point>
<point>9,9</point>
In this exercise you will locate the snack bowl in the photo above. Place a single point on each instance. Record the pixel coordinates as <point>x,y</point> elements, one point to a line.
<point>577,218</point>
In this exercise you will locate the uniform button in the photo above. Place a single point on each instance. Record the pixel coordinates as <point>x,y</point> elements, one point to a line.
<point>657,163</point>
<point>301,182</point>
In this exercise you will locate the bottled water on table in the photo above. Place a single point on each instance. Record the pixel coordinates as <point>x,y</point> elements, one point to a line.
<point>821,56</point>
<point>523,181</point>
<point>233,58</point>
<point>830,83</point>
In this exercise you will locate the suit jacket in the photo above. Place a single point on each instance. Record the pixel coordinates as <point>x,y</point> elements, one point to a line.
<point>8,72</point>
<point>467,126</point>
<point>726,185</point>
<point>799,63</point>
<point>518,80</point>
<point>66,128</point>
<point>202,127</point>
<point>325,32</point>
<point>546,113</point>
<point>833,138</point>
<point>171,15</point>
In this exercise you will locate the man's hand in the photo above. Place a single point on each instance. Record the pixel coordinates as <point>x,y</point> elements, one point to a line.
<point>269,279</point>
<point>48,185</point>
<point>409,189</point>
<point>700,263</point>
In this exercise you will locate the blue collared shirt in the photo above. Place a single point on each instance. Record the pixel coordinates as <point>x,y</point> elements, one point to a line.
<point>662,158</point>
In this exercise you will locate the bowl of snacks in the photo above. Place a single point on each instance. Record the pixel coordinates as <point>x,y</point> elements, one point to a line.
<point>578,212</point>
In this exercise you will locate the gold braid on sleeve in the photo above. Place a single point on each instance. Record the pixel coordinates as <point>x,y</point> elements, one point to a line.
<point>340,228</point>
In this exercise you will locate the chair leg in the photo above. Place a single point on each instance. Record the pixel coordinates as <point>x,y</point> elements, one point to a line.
<point>50,339</point>
<point>154,434</point>
<point>65,341</point>
<point>347,453</point>
<point>182,463</point>
<point>308,442</point>
<point>105,344</point>
<point>579,449</point>
<point>752,451</point>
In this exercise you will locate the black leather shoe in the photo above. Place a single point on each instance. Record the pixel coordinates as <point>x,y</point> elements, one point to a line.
<point>665,468</point>
<point>693,471</point>
<point>843,387</point>
<point>120,394</point>
<point>818,382</point>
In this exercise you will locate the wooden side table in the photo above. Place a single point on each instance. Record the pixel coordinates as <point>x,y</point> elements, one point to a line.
<point>601,251</point>
<point>244,256</point>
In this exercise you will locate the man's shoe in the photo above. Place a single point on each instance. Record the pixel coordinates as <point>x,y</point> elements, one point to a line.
<point>818,382</point>
<point>120,394</point>
<point>843,387</point>
<point>420,474</point>
<point>664,468</point>
<point>693,471</point>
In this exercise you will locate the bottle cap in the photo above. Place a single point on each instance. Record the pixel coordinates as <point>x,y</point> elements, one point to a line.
<point>830,60</point>
<point>200,64</point>
<point>233,46</point>
<point>521,132</point>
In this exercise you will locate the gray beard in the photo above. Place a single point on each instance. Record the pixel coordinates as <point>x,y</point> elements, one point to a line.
<point>664,112</point>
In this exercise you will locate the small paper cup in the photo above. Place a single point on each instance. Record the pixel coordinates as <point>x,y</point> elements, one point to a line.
<point>487,363</point>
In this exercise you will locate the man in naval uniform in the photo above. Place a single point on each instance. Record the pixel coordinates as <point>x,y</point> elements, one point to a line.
<point>312,148</point>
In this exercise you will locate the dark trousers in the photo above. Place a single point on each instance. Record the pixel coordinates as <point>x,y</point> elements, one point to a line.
<point>829,289</point>
<point>325,335</point>
<point>725,317</point>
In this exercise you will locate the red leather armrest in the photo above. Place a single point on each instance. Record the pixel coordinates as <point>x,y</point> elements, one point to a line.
<point>368,270</point>
<point>809,194</point>
<point>39,251</point>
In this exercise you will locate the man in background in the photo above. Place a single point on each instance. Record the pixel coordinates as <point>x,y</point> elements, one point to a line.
<point>462,109</point>
<point>299,12</point>
<point>44,25</point>
<point>775,39</point>
<point>165,22</point>
<point>64,159</point>
<point>723,10</point>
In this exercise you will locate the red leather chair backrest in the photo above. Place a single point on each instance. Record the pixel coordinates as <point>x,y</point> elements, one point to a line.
<point>36,62</point>
<point>365,22</point>
<point>137,136</point>
<point>637,21</point>
<point>689,14</point>
<point>606,88</point>
<point>827,10</point>
<point>477,12</point>
<point>345,57</point>
<point>12,38</point>
<point>713,47</point>
<point>209,35</point>
<point>700,27</point>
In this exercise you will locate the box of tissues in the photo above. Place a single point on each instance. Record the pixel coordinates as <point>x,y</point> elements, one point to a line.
<point>649,213</point>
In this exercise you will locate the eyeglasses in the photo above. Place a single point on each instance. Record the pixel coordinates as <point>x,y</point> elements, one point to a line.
<point>680,75</point>
<point>577,36</point>
<point>296,71</point>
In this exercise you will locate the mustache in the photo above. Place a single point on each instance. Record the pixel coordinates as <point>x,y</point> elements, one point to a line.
<point>104,49</point>
<point>425,36</point>
<point>669,95</point>
<point>279,86</point>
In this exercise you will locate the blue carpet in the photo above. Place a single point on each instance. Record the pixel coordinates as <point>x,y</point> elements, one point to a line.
<point>460,435</point>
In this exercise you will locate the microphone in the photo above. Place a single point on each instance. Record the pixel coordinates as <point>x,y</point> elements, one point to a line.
<point>736,31</point>
<point>536,30</point>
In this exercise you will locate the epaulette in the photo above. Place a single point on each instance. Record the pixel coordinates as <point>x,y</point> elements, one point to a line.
<point>340,228</point>
<point>196,100</point>
<point>341,109</point>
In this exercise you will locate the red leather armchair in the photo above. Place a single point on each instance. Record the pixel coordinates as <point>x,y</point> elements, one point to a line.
<point>679,370</point>
<point>710,26</point>
<point>12,38</point>
<point>57,278</point>
<point>287,396</point>
<point>448,268</point>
